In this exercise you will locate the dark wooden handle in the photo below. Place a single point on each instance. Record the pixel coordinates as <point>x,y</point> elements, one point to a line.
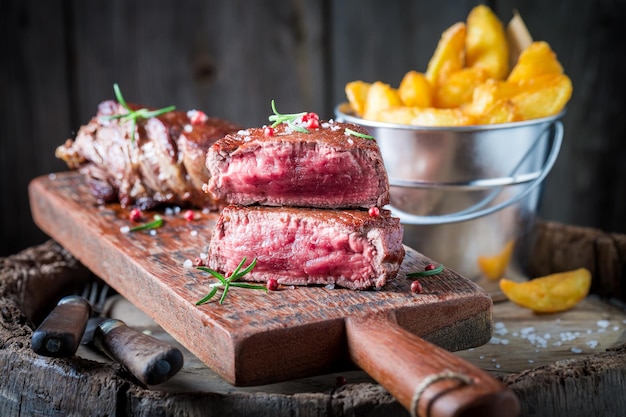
<point>150,360</point>
<point>427,380</point>
<point>60,333</point>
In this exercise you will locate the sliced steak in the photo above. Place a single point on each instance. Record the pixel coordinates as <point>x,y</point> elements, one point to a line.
<point>164,165</point>
<point>301,246</point>
<point>325,168</point>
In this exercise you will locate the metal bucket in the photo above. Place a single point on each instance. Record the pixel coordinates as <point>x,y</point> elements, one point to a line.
<point>466,192</point>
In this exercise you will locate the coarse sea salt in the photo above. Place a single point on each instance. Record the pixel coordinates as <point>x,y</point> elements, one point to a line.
<point>188,263</point>
<point>194,233</point>
<point>576,350</point>
<point>603,323</point>
<point>124,229</point>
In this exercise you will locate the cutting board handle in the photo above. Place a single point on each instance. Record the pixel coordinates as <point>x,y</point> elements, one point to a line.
<point>426,379</point>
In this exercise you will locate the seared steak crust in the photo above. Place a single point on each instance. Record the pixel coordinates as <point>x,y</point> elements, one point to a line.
<point>165,164</point>
<point>325,168</point>
<point>302,246</point>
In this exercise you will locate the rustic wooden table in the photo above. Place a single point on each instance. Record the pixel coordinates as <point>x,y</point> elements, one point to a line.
<point>566,364</point>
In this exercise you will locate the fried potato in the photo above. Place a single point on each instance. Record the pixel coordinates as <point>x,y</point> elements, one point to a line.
<point>458,89</point>
<point>551,293</point>
<point>428,116</point>
<point>356,92</point>
<point>380,96</point>
<point>416,90</point>
<point>486,44</point>
<point>543,96</point>
<point>493,267</point>
<point>538,59</point>
<point>449,56</point>
<point>487,94</point>
<point>502,111</point>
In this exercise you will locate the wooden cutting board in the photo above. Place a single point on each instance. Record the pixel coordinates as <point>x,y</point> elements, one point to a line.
<point>258,338</point>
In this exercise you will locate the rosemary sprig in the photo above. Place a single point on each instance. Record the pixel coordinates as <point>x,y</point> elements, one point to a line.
<point>135,116</point>
<point>428,273</point>
<point>289,119</point>
<point>231,281</point>
<point>154,224</point>
<point>349,131</point>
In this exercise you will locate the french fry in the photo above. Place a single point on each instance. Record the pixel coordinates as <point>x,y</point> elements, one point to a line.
<point>449,56</point>
<point>550,293</point>
<point>416,90</point>
<point>486,43</point>
<point>466,80</point>
<point>538,59</point>
<point>428,116</point>
<point>458,89</point>
<point>543,96</point>
<point>356,92</point>
<point>380,96</point>
<point>502,111</point>
<point>487,94</point>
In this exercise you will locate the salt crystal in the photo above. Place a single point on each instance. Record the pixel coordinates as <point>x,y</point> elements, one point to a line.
<point>481,357</point>
<point>52,176</point>
<point>330,286</point>
<point>498,325</point>
<point>243,133</point>
<point>124,229</point>
<point>188,263</point>
<point>504,341</point>
<point>603,323</point>
<point>204,255</point>
<point>576,350</point>
<point>153,232</point>
<point>497,366</point>
<point>531,361</point>
<point>495,340</point>
<point>592,344</point>
<point>188,128</point>
<point>194,233</point>
<point>169,211</point>
<point>615,328</point>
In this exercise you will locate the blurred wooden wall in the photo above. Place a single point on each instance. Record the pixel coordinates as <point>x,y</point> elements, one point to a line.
<point>60,58</point>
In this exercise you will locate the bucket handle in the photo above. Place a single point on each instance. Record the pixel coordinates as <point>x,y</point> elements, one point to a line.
<point>469,214</point>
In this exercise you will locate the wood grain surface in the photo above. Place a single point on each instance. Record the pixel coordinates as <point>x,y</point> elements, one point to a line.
<point>254,337</point>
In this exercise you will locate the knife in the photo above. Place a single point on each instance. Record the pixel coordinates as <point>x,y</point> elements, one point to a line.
<point>60,333</point>
<point>150,360</point>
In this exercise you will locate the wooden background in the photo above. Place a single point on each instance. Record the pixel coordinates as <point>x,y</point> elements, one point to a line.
<point>60,58</point>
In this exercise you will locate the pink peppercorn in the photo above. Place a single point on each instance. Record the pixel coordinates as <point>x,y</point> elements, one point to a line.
<point>374,211</point>
<point>135,214</point>
<point>189,215</point>
<point>268,131</point>
<point>272,284</point>
<point>416,287</point>
<point>197,117</point>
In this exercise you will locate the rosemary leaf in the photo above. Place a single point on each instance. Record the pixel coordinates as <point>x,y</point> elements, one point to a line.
<point>428,273</point>
<point>358,134</point>
<point>155,224</point>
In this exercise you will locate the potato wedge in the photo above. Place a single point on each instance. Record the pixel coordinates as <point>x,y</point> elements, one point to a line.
<point>551,293</point>
<point>538,59</point>
<point>415,90</point>
<point>356,92</point>
<point>428,116</point>
<point>458,89</point>
<point>449,56</point>
<point>380,96</point>
<point>543,96</point>
<point>489,93</point>
<point>486,44</point>
<point>493,267</point>
<point>502,111</point>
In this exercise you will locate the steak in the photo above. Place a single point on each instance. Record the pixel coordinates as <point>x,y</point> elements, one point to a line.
<point>324,168</point>
<point>165,164</point>
<point>302,246</point>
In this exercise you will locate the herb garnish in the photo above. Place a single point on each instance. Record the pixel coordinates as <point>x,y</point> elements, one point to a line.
<point>229,282</point>
<point>289,119</point>
<point>426,273</point>
<point>349,131</point>
<point>155,224</point>
<point>134,116</point>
